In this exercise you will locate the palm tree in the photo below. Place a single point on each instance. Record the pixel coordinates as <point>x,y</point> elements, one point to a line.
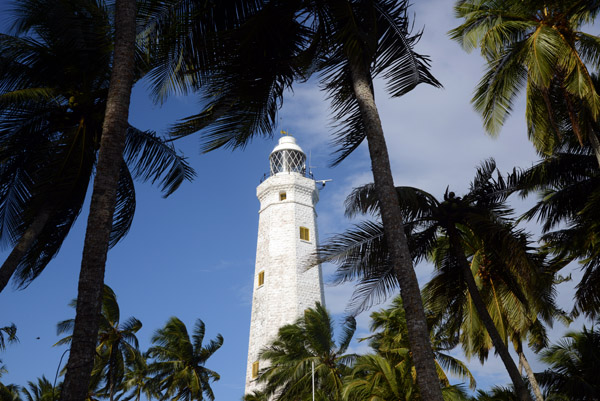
<point>179,361</point>
<point>7,393</point>
<point>53,102</point>
<point>299,348</point>
<point>11,335</point>
<point>390,337</point>
<point>108,169</point>
<point>137,380</point>
<point>10,392</point>
<point>389,374</point>
<point>378,377</point>
<point>43,390</point>
<point>444,227</point>
<point>102,207</point>
<point>515,310</point>
<point>574,362</point>
<point>350,43</point>
<point>104,199</point>
<point>496,393</point>
<point>540,46</point>
<point>567,187</point>
<point>117,344</point>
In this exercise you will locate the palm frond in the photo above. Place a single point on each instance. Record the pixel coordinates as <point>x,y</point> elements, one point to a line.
<point>124,207</point>
<point>400,65</point>
<point>11,335</point>
<point>496,92</point>
<point>151,158</point>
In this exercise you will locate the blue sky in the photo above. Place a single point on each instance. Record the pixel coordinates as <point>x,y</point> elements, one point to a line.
<point>192,255</point>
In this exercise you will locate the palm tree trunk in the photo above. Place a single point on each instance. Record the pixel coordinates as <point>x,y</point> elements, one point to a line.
<point>112,372</point>
<point>418,334</point>
<point>499,345</point>
<point>530,376</point>
<point>91,278</point>
<point>29,236</point>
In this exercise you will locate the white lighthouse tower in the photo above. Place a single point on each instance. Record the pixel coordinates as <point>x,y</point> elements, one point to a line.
<point>287,238</point>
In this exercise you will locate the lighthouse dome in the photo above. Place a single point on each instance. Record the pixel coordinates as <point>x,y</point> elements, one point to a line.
<point>287,157</point>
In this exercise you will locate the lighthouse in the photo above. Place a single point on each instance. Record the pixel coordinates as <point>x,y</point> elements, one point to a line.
<point>284,286</point>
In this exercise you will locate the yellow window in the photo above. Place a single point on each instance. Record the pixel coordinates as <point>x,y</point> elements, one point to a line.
<point>282,196</point>
<point>255,370</point>
<point>304,234</point>
<point>261,278</point>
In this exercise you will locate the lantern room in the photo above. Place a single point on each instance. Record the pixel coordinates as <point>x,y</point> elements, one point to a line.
<point>288,157</point>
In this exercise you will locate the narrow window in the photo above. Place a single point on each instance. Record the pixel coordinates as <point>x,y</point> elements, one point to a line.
<point>255,370</point>
<point>282,196</point>
<point>304,234</point>
<point>261,278</point>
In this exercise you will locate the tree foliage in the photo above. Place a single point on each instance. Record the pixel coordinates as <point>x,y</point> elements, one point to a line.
<point>179,369</point>
<point>538,46</point>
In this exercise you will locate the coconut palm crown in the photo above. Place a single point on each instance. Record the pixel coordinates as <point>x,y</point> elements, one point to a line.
<point>179,370</point>
<point>298,348</point>
<point>539,46</point>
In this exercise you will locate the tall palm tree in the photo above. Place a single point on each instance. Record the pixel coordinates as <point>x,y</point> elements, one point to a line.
<point>179,361</point>
<point>104,199</point>
<point>349,43</point>
<point>52,107</point>
<point>117,344</point>
<point>446,227</point>
<point>539,45</point>
<point>516,310</point>
<point>102,207</point>
<point>574,362</point>
<point>307,344</point>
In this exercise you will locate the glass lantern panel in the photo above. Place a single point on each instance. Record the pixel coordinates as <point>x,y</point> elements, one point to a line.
<point>290,161</point>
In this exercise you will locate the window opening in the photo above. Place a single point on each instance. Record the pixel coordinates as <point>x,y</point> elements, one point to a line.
<point>304,234</point>
<point>282,196</point>
<point>261,278</point>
